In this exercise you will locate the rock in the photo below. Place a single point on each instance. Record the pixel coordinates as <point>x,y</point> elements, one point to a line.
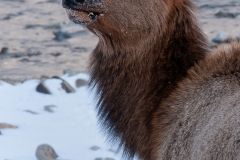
<point>65,85</point>
<point>215,5</point>
<point>32,26</point>
<point>49,108</point>
<point>31,54</point>
<point>6,126</point>
<point>222,14</point>
<point>29,111</point>
<point>25,60</point>
<point>113,151</point>
<point>52,1</point>
<point>43,77</point>
<point>95,148</point>
<point>42,88</point>
<point>56,54</point>
<point>221,38</point>
<point>55,85</point>
<point>80,49</point>
<point>108,158</point>
<point>4,51</point>
<point>17,55</point>
<point>9,16</point>
<point>70,72</point>
<point>61,36</point>
<point>81,82</point>
<point>45,152</point>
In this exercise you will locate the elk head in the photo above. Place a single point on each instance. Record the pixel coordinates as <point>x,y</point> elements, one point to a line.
<point>122,21</point>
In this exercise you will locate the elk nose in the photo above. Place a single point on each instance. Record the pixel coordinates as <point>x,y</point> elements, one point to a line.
<point>79,1</point>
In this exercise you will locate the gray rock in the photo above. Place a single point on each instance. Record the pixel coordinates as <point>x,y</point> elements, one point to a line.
<point>70,72</point>
<point>56,54</point>
<point>53,1</point>
<point>32,26</point>
<point>81,82</point>
<point>113,151</point>
<point>221,38</point>
<point>25,60</point>
<point>65,85</point>
<point>49,108</point>
<point>80,49</point>
<point>98,158</point>
<point>61,36</point>
<point>95,148</point>
<point>222,14</point>
<point>42,88</point>
<point>31,54</point>
<point>9,16</point>
<point>4,51</point>
<point>108,158</point>
<point>17,55</point>
<point>45,152</point>
<point>29,111</point>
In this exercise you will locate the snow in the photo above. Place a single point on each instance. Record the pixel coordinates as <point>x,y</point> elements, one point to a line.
<point>71,130</point>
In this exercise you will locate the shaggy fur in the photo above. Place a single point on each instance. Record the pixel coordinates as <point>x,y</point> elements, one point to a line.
<point>134,77</point>
<point>203,113</point>
<point>161,93</point>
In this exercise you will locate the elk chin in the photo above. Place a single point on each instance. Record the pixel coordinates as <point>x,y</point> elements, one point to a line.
<point>81,17</point>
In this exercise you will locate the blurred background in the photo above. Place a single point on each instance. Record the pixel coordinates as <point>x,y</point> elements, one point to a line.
<point>37,42</point>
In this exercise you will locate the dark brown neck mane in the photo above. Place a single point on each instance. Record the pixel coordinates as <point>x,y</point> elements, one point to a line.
<point>133,79</point>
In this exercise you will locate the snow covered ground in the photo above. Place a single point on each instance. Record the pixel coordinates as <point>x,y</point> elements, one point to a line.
<point>71,129</point>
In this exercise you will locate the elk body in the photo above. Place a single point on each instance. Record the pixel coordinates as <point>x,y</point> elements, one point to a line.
<point>162,94</point>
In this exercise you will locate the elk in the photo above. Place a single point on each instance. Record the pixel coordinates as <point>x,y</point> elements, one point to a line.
<point>161,92</point>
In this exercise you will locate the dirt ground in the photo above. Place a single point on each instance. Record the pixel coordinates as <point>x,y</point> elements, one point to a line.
<point>38,40</point>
